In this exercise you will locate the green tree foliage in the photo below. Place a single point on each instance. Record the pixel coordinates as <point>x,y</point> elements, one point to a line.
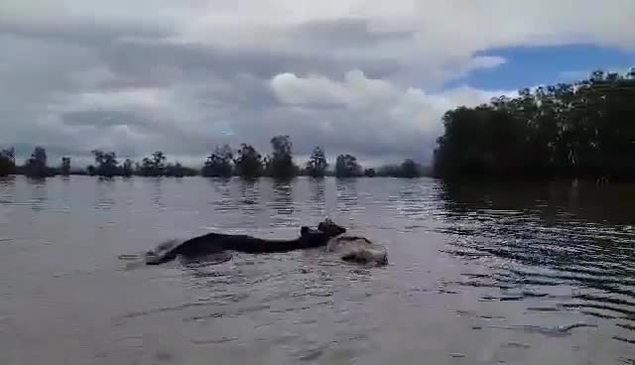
<point>219,163</point>
<point>65,167</point>
<point>248,162</point>
<point>317,164</point>
<point>7,162</point>
<point>153,166</point>
<point>280,165</point>
<point>347,166</point>
<point>106,164</point>
<point>36,165</point>
<point>584,129</point>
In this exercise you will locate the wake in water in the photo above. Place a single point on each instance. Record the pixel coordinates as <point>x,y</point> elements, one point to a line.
<point>138,260</point>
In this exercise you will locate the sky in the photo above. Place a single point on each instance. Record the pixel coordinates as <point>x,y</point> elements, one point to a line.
<point>371,78</point>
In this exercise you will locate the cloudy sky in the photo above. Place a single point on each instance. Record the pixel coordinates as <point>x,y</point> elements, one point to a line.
<point>370,78</point>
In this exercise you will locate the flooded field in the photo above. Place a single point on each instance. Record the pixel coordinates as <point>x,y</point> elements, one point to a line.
<point>477,274</point>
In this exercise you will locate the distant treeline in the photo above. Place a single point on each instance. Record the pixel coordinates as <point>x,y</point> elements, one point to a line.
<point>585,129</point>
<point>246,162</point>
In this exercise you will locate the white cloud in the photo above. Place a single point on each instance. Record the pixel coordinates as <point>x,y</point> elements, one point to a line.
<point>368,116</point>
<point>356,91</point>
<point>364,76</point>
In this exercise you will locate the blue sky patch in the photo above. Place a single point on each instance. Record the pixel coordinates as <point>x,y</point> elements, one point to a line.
<point>530,66</point>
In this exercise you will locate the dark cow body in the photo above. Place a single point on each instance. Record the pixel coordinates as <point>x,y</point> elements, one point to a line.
<point>212,243</point>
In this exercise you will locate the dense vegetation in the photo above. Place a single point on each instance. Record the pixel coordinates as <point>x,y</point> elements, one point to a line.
<point>36,166</point>
<point>317,164</point>
<point>219,163</point>
<point>7,162</point>
<point>248,163</point>
<point>245,162</point>
<point>347,166</point>
<point>586,129</point>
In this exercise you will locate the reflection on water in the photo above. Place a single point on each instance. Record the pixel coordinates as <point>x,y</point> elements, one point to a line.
<point>535,240</point>
<point>479,273</point>
<point>104,199</point>
<point>37,194</point>
<point>282,204</point>
<point>347,196</point>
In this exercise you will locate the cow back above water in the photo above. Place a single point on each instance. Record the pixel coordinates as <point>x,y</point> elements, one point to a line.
<point>358,250</point>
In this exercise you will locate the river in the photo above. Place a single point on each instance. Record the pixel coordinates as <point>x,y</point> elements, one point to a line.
<point>478,273</point>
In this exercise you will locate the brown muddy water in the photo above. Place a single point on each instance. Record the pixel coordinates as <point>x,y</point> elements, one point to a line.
<point>478,274</point>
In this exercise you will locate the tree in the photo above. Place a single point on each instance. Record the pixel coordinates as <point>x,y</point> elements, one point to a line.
<point>219,163</point>
<point>126,168</point>
<point>409,168</point>
<point>154,165</point>
<point>347,166</point>
<point>174,170</point>
<point>248,162</point>
<point>65,168</point>
<point>317,164</point>
<point>178,170</point>
<point>280,165</point>
<point>158,161</point>
<point>7,162</point>
<point>36,165</point>
<point>106,162</point>
<point>583,129</point>
<point>370,173</point>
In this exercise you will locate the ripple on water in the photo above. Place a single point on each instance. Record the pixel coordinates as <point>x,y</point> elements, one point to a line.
<point>531,270</point>
<point>530,259</point>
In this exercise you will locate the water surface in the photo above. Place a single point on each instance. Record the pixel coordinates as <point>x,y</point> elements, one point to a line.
<point>478,273</point>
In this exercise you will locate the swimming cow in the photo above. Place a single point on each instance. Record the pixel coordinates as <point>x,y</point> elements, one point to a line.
<point>218,243</point>
<point>358,250</point>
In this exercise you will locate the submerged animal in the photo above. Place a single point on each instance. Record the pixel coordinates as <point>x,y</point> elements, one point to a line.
<point>214,243</point>
<point>355,249</point>
<point>329,234</point>
<point>358,250</point>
